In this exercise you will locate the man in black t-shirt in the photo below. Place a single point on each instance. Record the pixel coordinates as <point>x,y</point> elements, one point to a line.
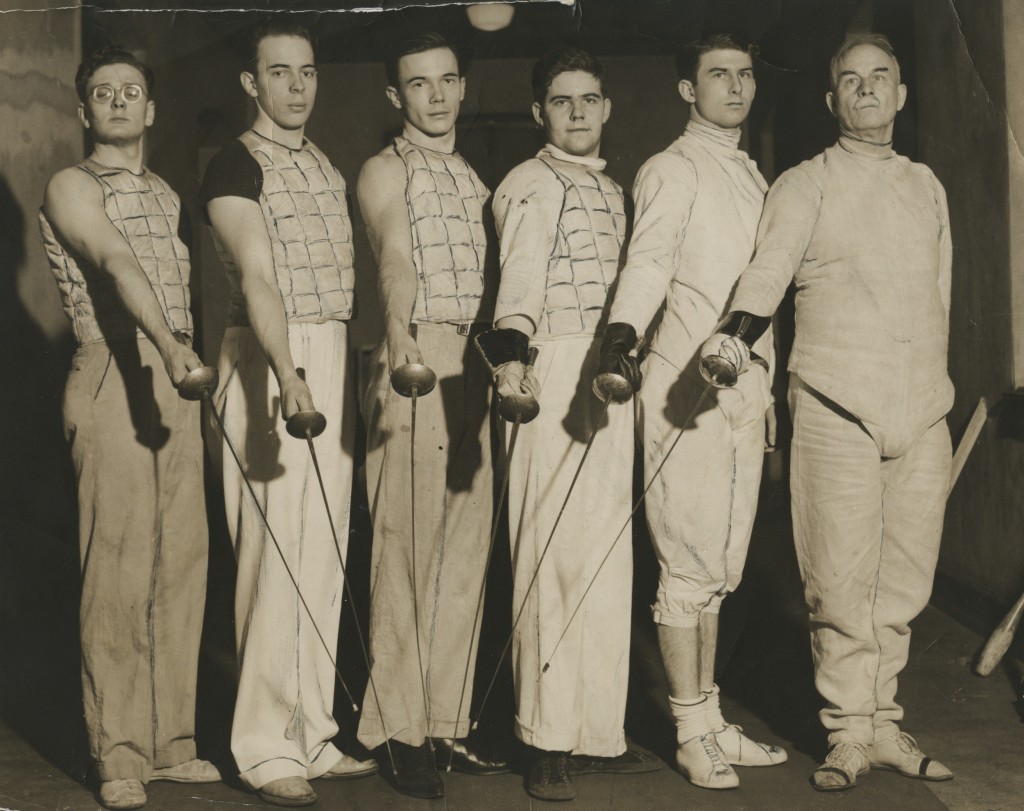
<point>279,216</point>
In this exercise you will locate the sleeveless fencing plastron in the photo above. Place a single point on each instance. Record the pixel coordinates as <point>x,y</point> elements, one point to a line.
<point>304,206</point>
<point>449,243</point>
<point>147,212</point>
<point>585,260</point>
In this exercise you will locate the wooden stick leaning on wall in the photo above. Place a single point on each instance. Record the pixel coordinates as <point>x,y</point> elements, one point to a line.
<point>999,642</point>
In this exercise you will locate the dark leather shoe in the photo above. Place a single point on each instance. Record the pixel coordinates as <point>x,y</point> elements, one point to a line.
<point>549,778</point>
<point>635,760</point>
<point>414,774</point>
<point>465,758</point>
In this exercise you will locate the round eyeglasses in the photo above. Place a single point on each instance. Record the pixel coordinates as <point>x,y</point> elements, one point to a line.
<point>105,93</point>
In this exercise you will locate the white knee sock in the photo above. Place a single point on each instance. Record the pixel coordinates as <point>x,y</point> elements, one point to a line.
<point>691,717</point>
<point>714,711</point>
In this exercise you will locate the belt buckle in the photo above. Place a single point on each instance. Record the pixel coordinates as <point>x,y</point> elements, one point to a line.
<point>463,329</point>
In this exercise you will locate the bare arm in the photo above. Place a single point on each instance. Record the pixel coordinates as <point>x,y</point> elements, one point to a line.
<point>73,203</point>
<point>381,192</point>
<point>242,230</point>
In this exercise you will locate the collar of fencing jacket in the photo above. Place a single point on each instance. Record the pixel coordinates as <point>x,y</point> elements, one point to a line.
<point>558,154</point>
<point>866,149</point>
<point>715,136</point>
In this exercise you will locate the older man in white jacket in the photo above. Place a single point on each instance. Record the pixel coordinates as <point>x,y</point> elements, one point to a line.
<point>864,233</point>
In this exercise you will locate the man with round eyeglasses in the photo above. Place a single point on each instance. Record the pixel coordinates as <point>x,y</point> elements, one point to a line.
<point>129,93</point>
<point>113,236</point>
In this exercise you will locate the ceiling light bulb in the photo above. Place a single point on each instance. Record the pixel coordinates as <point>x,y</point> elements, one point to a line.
<point>490,16</point>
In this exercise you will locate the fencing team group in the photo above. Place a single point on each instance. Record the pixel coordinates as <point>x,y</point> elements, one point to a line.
<point>691,280</point>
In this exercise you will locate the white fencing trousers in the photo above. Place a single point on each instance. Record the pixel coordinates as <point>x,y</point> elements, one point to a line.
<point>283,721</point>
<point>867,531</point>
<point>700,511</point>
<point>454,502</point>
<point>580,703</point>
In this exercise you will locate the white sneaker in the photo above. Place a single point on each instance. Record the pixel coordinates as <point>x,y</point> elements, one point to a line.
<point>846,761</point>
<point>704,765</point>
<point>122,794</point>
<point>900,753</point>
<point>739,750</point>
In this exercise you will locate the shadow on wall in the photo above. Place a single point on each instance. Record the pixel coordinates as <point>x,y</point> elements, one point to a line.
<point>36,478</point>
<point>40,692</point>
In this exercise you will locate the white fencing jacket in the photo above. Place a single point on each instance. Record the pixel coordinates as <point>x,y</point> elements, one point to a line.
<point>864,234</point>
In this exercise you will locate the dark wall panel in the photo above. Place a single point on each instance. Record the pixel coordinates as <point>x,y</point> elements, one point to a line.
<point>962,114</point>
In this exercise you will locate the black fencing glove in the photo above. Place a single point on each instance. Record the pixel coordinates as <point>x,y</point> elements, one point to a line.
<point>618,372</point>
<point>507,354</point>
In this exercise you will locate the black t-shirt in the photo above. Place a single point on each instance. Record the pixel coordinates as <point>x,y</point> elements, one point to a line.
<point>232,172</point>
<point>185,228</point>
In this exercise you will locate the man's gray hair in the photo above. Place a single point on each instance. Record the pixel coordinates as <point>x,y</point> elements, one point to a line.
<point>880,41</point>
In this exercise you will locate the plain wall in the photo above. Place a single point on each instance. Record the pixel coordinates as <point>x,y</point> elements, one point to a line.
<point>39,134</point>
<point>1013,28</point>
<point>961,105</point>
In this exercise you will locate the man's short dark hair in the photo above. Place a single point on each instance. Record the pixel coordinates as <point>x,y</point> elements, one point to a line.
<point>417,43</point>
<point>280,25</point>
<point>688,57</point>
<point>880,41</point>
<point>111,55</point>
<point>562,60</point>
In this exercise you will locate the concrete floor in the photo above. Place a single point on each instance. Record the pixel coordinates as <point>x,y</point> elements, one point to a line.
<point>973,725</point>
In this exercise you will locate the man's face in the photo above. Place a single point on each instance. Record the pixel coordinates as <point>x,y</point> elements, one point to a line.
<point>284,83</point>
<point>116,121</point>
<point>868,93</point>
<point>574,113</point>
<point>430,91</point>
<point>724,88</point>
